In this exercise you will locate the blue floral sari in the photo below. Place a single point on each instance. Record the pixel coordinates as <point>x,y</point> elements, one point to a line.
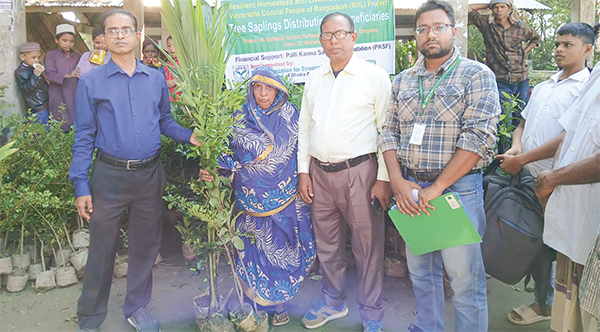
<point>275,225</point>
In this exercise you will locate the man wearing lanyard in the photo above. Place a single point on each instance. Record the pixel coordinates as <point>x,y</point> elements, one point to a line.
<point>122,108</point>
<point>440,130</point>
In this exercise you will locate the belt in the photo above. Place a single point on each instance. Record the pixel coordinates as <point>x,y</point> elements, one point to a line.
<point>130,165</point>
<point>427,176</point>
<point>342,165</point>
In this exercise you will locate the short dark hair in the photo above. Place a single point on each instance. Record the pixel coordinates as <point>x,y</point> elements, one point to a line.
<point>583,31</point>
<point>169,38</point>
<point>97,32</point>
<point>114,12</point>
<point>436,4</point>
<point>334,15</point>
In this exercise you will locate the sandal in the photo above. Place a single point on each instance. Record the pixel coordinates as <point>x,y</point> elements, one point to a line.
<point>280,318</point>
<point>528,316</point>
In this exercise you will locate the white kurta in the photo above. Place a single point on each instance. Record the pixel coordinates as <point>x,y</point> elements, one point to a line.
<point>572,216</point>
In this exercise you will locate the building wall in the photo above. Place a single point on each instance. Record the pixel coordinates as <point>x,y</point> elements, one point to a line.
<point>12,34</point>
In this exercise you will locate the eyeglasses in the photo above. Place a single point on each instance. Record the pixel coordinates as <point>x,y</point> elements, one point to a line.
<point>113,32</point>
<point>438,29</point>
<point>340,34</point>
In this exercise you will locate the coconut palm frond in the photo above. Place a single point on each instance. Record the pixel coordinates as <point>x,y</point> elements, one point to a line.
<point>202,41</point>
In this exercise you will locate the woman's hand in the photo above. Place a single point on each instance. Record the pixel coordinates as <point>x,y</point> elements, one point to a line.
<point>205,176</point>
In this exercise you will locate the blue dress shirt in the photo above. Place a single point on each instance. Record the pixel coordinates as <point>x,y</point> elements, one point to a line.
<point>122,116</point>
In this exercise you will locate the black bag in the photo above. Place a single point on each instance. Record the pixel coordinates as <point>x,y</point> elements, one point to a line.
<point>512,245</point>
<point>515,221</point>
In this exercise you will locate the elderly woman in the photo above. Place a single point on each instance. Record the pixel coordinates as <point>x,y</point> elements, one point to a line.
<point>275,225</point>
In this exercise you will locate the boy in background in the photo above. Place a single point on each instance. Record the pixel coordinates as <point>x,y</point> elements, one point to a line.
<point>30,79</point>
<point>63,75</point>
<point>97,56</point>
<point>536,139</point>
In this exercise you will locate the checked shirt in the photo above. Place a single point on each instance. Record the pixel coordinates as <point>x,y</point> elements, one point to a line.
<point>504,52</point>
<point>463,113</point>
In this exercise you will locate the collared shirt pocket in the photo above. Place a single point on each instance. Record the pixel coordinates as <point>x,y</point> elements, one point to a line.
<point>516,42</point>
<point>554,112</point>
<point>408,104</point>
<point>354,104</point>
<point>449,103</point>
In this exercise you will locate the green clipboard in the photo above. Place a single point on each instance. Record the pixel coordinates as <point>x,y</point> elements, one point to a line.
<point>447,226</point>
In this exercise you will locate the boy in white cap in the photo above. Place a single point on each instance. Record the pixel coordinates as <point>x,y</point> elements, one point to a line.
<point>30,78</point>
<point>63,75</point>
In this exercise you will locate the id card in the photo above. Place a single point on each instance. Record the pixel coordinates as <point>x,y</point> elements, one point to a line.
<point>417,134</point>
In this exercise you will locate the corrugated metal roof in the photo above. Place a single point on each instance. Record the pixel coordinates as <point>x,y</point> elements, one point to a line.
<point>521,4</point>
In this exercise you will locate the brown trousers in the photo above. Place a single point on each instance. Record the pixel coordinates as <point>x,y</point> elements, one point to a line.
<point>339,198</point>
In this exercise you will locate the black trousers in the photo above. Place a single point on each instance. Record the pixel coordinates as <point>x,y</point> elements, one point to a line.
<point>115,189</point>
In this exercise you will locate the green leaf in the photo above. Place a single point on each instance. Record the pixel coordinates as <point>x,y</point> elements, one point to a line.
<point>237,242</point>
<point>222,231</point>
<point>6,150</point>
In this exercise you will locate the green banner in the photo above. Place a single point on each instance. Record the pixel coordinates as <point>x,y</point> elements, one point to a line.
<point>294,24</point>
<point>284,34</point>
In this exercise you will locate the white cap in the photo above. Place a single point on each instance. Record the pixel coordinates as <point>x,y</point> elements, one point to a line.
<point>62,28</point>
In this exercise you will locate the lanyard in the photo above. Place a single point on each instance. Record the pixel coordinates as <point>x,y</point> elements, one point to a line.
<point>425,101</point>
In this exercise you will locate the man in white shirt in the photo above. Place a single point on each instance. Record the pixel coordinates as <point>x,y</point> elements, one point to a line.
<point>538,135</point>
<point>571,224</point>
<point>549,101</point>
<point>343,108</point>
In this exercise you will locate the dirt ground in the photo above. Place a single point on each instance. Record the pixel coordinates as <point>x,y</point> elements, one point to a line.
<point>175,287</point>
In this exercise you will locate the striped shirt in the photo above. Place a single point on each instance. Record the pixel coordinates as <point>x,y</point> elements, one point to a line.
<point>463,113</point>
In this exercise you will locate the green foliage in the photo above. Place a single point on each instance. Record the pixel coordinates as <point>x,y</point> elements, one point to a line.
<point>505,125</point>
<point>6,150</point>
<point>34,184</point>
<point>537,77</point>
<point>202,42</point>
<point>406,54</point>
<point>295,91</point>
<point>476,47</point>
<point>188,229</point>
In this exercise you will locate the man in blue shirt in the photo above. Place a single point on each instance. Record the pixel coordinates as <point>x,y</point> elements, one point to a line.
<point>122,109</point>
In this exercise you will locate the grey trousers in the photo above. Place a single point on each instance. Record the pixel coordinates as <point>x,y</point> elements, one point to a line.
<point>339,198</point>
<point>115,189</point>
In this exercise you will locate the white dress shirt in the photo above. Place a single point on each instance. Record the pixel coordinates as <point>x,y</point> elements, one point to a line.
<point>572,216</point>
<point>549,101</point>
<point>340,117</point>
